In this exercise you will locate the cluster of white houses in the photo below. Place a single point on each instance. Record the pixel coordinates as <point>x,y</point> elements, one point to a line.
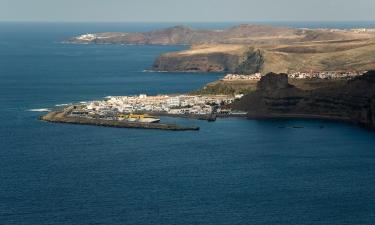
<point>325,75</point>
<point>86,37</point>
<point>298,75</point>
<point>176,104</point>
<point>233,77</point>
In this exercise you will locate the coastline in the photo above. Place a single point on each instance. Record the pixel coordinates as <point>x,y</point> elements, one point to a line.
<point>352,102</point>
<point>61,117</point>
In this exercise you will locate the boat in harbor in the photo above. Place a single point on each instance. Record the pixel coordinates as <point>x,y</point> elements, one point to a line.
<point>141,118</point>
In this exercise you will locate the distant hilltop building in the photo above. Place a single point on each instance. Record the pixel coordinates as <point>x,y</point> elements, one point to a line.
<point>359,30</point>
<point>87,37</point>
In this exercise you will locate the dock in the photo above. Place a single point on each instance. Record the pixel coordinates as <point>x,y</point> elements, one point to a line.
<point>62,117</point>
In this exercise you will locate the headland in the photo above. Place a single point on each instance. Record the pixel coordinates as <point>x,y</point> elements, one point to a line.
<point>351,101</point>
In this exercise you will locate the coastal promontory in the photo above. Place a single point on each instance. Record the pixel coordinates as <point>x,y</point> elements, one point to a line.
<point>353,101</point>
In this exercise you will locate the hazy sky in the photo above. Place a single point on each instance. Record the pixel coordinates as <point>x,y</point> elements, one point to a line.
<point>186,10</point>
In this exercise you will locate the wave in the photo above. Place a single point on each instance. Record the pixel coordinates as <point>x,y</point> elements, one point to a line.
<point>65,104</point>
<point>39,110</point>
<point>155,71</point>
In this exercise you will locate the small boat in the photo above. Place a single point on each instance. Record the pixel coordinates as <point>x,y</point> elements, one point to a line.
<point>149,119</point>
<point>142,118</point>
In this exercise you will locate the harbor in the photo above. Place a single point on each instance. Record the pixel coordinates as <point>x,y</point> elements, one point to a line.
<point>144,111</point>
<point>64,117</point>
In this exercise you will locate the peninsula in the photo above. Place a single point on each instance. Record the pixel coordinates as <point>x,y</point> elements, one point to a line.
<point>141,111</point>
<point>247,49</point>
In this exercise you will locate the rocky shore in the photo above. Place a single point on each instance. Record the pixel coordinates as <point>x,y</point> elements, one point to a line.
<point>61,117</point>
<point>275,97</point>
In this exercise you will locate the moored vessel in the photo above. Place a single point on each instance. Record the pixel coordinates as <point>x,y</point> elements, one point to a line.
<point>142,118</point>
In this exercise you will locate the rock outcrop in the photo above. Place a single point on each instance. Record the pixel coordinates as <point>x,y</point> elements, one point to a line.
<point>252,63</point>
<point>274,81</point>
<point>274,98</point>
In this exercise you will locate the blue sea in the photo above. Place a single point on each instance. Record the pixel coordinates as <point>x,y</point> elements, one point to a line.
<point>232,171</point>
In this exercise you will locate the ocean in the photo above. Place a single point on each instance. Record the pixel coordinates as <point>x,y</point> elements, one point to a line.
<point>232,171</point>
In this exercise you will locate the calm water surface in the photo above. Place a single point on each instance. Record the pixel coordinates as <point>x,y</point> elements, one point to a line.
<point>233,171</point>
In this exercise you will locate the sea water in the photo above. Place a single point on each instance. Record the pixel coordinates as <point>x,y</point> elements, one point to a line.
<point>232,171</point>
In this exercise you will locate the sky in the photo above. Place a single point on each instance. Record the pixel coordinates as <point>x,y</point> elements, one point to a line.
<point>186,10</point>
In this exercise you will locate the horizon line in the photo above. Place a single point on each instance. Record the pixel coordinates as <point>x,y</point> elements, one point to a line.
<point>176,22</point>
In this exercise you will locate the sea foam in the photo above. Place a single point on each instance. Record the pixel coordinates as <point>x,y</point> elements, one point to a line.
<point>65,104</point>
<point>39,110</point>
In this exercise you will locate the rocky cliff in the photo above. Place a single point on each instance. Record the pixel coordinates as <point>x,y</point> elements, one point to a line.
<point>275,97</point>
<point>208,58</point>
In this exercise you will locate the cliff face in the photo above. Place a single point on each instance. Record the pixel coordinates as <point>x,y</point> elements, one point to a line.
<point>212,58</point>
<point>343,56</point>
<point>252,63</point>
<point>354,101</point>
<point>214,62</point>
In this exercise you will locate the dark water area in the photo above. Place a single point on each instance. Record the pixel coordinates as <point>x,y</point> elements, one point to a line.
<point>232,171</point>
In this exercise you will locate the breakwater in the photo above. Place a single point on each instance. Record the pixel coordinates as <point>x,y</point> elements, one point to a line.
<point>62,117</point>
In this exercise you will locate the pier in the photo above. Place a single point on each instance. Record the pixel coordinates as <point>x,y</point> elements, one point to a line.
<point>62,117</point>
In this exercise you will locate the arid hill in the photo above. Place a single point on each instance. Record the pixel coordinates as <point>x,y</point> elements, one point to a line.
<point>242,34</point>
<point>352,55</point>
<point>253,48</point>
